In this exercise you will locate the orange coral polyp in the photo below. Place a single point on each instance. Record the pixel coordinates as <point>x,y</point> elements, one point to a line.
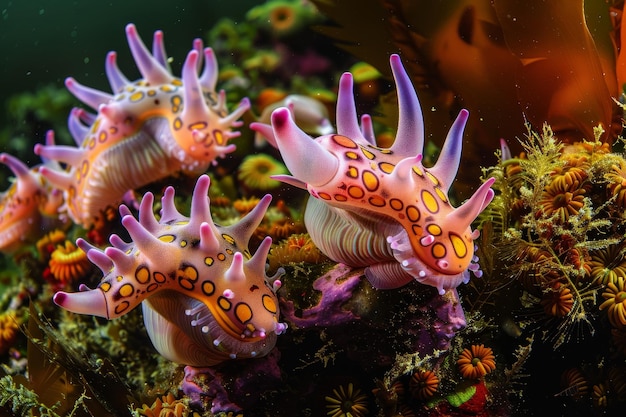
<point>476,362</point>
<point>68,263</point>
<point>615,302</point>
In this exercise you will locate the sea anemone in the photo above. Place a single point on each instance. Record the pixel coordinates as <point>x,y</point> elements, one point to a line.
<point>8,331</point>
<point>298,248</point>
<point>562,200</point>
<point>558,300</point>
<point>166,406</point>
<point>599,395</point>
<point>68,263</point>
<point>423,384</point>
<point>476,362</point>
<point>608,264</point>
<point>615,302</point>
<point>346,402</point>
<point>255,172</point>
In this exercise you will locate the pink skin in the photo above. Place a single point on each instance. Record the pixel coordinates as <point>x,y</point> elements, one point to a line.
<point>393,211</point>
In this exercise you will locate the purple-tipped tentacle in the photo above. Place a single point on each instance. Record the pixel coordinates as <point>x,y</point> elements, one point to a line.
<point>410,133</point>
<point>66,154</point>
<point>200,204</point>
<point>195,108</point>
<point>347,120</point>
<point>244,229</point>
<point>60,179</point>
<point>449,159</point>
<point>505,150</point>
<point>90,96</point>
<point>208,79</point>
<point>158,50</point>
<point>258,261</point>
<point>266,131</point>
<point>19,168</point>
<point>298,150</point>
<point>231,119</point>
<point>151,70</point>
<point>367,128</point>
<point>122,261</point>
<point>208,238</point>
<point>235,272</point>
<point>117,79</point>
<point>469,210</point>
<point>90,302</point>
<point>403,170</point>
<point>77,128</point>
<point>168,208</point>
<point>142,238</point>
<point>146,215</point>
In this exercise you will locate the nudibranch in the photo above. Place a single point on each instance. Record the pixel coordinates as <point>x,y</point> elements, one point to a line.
<point>380,208</point>
<point>28,209</point>
<point>205,299</point>
<point>144,131</point>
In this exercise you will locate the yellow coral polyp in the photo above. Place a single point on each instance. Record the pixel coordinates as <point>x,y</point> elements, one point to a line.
<point>617,183</point>
<point>256,170</point>
<point>615,302</point>
<point>346,402</point>
<point>166,406</point>
<point>68,263</point>
<point>562,200</point>
<point>9,328</point>
<point>608,264</point>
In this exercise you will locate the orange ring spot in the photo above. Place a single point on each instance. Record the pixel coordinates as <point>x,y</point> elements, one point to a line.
<point>344,142</point>
<point>355,192</point>
<point>370,181</point>
<point>430,202</point>
<point>243,312</point>
<point>438,250</point>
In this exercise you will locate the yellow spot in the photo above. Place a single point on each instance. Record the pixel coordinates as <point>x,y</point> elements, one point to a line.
<point>121,307</point>
<point>105,286</point>
<point>344,141</point>
<point>412,213</point>
<point>119,278</point>
<point>219,137</point>
<point>177,83</point>
<point>368,154</point>
<point>229,239</point>
<point>434,229</point>
<point>438,250</point>
<point>396,204</point>
<point>418,171</point>
<point>441,195</point>
<point>142,275</point>
<point>183,243</point>
<point>177,123</point>
<point>135,97</point>
<point>243,312</point>
<point>224,303</point>
<point>167,88</point>
<point>269,304</point>
<point>92,142</point>
<point>197,126</point>
<point>208,288</point>
<point>356,192</point>
<point>208,261</point>
<point>430,202</point>
<point>102,136</point>
<point>459,246</point>
<point>377,201</point>
<point>369,180</point>
<point>151,93</point>
<point>352,172</point>
<point>126,290</point>
<point>386,167</point>
<point>190,273</point>
<point>432,178</point>
<point>167,238</point>
<point>352,155</point>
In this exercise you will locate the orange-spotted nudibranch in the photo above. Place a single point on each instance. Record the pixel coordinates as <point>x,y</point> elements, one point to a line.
<point>205,299</point>
<point>380,208</point>
<point>144,131</point>
<point>28,209</point>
